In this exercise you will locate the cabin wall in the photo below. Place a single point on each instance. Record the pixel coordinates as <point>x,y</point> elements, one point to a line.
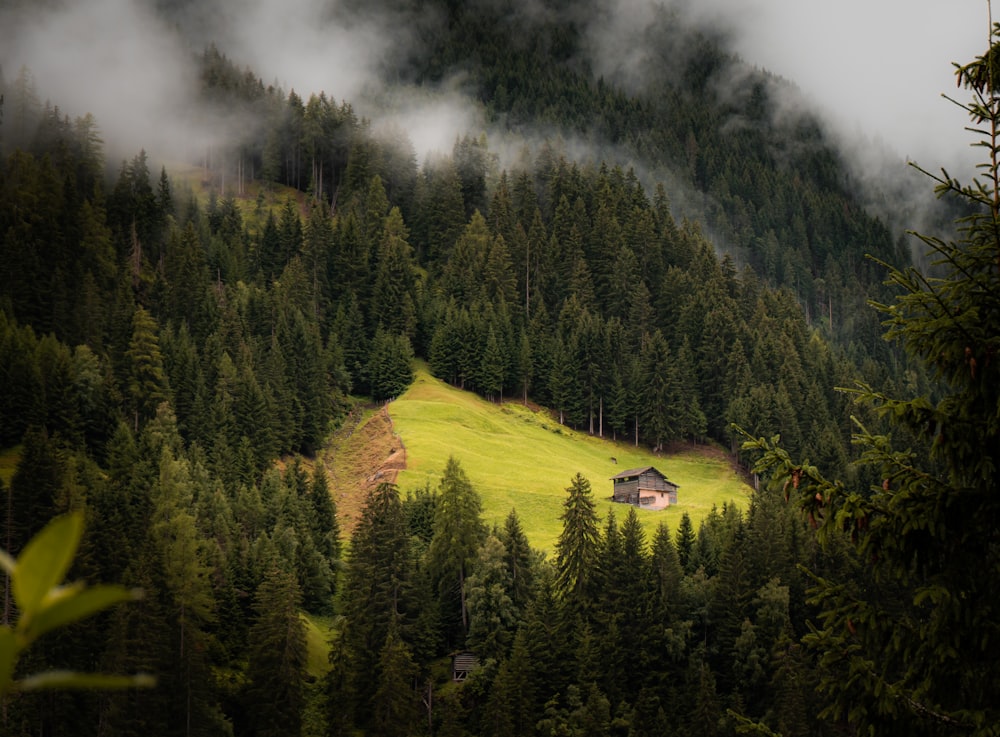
<point>627,491</point>
<point>653,482</point>
<point>649,491</point>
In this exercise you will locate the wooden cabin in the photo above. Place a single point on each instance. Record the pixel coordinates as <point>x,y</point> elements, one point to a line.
<point>462,664</point>
<point>644,487</point>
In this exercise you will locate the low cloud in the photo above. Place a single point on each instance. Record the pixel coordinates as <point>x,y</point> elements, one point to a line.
<point>112,58</point>
<point>873,71</point>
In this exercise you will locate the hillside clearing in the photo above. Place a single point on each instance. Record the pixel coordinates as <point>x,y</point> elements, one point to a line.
<point>519,458</point>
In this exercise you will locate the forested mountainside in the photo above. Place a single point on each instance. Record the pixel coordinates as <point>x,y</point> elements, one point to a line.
<point>174,350</point>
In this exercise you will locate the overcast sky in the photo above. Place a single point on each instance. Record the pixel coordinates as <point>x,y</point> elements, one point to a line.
<point>880,65</point>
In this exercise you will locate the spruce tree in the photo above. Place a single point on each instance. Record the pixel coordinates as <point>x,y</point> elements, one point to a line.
<point>578,545</point>
<point>390,369</point>
<point>147,381</point>
<point>912,644</point>
<point>276,669</point>
<point>394,702</point>
<point>492,614</point>
<point>458,533</point>
<point>520,561</point>
<point>379,568</point>
<point>685,543</point>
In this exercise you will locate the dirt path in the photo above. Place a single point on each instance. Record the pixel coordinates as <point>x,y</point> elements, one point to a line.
<point>364,453</point>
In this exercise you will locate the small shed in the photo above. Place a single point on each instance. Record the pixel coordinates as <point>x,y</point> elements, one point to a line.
<point>462,664</point>
<point>644,487</point>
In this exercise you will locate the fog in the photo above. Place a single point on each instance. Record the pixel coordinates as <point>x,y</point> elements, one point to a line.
<point>112,58</point>
<point>874,71</point>
<point>123,62</point>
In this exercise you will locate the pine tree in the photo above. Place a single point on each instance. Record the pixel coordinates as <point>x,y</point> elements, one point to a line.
<point>147,380</point>
<point>492,614</point>
<point>458,533</point>
<point>276,669</point>
<point>394,702</point>
<point>911,646</point>
<point>378,571</point>
<point>519,560</point>
<point>577,547</point>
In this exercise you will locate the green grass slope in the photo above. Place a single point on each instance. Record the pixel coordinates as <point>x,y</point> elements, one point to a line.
<point>520,458</point>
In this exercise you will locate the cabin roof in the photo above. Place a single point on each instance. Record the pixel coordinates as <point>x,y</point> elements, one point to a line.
<point>644,471</point>
<point>637,472</point>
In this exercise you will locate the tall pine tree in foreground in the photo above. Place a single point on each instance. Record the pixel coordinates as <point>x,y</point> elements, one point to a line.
<point>578,545</point>
<point>276,670</point>
<point>911,646</point>
<point>458,533</point>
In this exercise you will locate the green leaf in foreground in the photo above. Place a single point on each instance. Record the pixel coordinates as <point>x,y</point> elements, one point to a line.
<point>45,560</point>
<point>45,605</point>
<point>69,680</point>
<point>72,603</point>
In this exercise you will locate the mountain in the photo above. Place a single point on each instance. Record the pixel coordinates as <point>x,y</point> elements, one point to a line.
<point>666,257</point>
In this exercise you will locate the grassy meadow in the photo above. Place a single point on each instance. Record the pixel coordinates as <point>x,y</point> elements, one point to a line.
<point>520,458</point>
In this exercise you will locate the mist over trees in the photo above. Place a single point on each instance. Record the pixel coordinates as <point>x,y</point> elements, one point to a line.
<point>176,349</point>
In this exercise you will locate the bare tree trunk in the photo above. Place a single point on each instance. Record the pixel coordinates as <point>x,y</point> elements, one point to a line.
<point>429,704</point>
<point>527,277</point>
<point>461,592</point>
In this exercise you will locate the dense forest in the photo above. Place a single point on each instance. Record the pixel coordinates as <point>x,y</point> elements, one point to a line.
<point>175,350</point>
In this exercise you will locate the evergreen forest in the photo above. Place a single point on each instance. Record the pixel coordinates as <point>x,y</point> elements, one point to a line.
<point>179,340</point>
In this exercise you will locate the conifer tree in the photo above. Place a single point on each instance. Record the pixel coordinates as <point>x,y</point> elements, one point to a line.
<point>276,669</point>
<point>577,548</point>
<point>660,408</point>
<point>338,691</point>
<point>492,614</point>
<point>911,646</point>
<point>147,381</point>
<point>394,701</point>
<point>378,571</point>
<point>458,533</point>
<point>390,369</point>
<point>393,305</point>
<point>685,542</point>
<point>519,560</point>
<point>33,496</point>
<point>510,709</point>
